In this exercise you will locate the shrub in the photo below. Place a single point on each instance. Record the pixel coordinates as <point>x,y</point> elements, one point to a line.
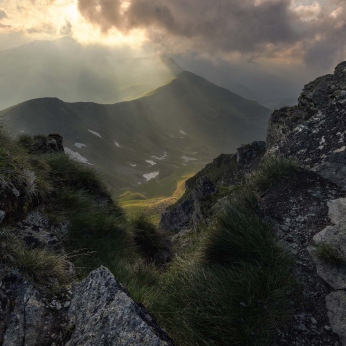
<point>149,241</point>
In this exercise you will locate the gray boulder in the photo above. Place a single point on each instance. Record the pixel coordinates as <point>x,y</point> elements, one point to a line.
<point>336,307</point>
<point>335,237</point>
<point>25,320</point>
<point>102,313</point>
<point>247,153</point>
<point>188,213</point>
<point>314,131</point>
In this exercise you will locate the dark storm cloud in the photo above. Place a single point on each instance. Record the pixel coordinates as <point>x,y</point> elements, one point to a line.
<point>229,25</point>
<point>105,13</point>
<point>66,30</point>
<point>265,29</point>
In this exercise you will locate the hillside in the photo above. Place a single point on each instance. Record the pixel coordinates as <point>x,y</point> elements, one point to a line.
<point>149,143</point>
<point>73,72</point>
<point>295,185</point>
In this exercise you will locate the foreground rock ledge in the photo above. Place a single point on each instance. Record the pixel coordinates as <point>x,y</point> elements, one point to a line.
<point>103,313</point>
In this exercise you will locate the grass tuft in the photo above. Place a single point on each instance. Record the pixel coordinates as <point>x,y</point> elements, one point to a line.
<point>149,241</point>
<point>75,174</point>
<point>271,169</point>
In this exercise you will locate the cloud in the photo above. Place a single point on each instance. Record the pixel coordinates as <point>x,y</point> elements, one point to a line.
<point>250,28</point>
<point>4,26</point>
<point>66,30</point>
<point>3,14</point>
<point>45,28</point>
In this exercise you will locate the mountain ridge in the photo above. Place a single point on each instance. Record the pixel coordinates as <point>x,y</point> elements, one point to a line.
<point>188,118</point>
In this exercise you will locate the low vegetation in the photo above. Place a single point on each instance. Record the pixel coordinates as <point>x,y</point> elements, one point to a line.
<point>330,254</point>
<point>230,288</point>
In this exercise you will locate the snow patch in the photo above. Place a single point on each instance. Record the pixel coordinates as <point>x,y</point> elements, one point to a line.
<point>161,157</point>
<point>95,133</point>
<point>182,132</point>
<point>132,164</point>
<point>151,175</point>
<point>79,145</point>
<point>187,159</point>
<point>117,144</point>
<point>74,155</point>
<point>151,162</point>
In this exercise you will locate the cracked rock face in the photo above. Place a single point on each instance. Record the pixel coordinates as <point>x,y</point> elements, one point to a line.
<point>24,318</point>
<point>188,213</point>
<point>337,209</point>
<point>314,131</point>
<point>102,313</point>
<point>336,306</point>
<point>335,237</point>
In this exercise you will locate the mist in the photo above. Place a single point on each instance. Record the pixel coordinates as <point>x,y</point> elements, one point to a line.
<point>75,72</point>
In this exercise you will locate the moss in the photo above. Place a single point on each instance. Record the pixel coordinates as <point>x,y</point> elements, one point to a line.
<point>330,254</point>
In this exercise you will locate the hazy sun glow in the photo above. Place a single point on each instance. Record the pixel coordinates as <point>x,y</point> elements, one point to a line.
<point>44,19</point>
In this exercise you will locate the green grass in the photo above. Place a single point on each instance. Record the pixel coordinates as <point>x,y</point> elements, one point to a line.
<point>149,241</point>
<point>75,174</point>
<point>271,169</point>
<point>233,291</point>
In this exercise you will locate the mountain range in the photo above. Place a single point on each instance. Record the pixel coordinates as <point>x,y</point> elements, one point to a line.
<point>148,143</point>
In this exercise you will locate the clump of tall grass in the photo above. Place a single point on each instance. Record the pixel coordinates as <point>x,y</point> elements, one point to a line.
<point>271,169</point>
<point>149,241</point>
<point>233,290</point>
<point>40,266</point>
<point>78,175</point>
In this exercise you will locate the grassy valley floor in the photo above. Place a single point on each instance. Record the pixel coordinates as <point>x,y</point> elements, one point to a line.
<point>135,203</point>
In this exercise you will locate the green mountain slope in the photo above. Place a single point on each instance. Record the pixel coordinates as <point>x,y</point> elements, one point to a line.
<point>149,143</point>
<point>73,72</point>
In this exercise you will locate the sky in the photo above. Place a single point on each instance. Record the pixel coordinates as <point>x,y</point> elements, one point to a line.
<point>272,47</point>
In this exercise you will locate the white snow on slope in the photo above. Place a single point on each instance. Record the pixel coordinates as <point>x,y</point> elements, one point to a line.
<point>79,145</point>
<point>160,157</point>
<point>150,176</point>
<point>95,133</point>
<point>74,155</point>
<point>187,159</point>
<point>151,162</point>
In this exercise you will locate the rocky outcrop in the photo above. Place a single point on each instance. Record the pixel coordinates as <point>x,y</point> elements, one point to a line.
<point>246,154</point>
<point>225,171</point>
<point>188,213</point>
<point>314,131</point>
<point>102,313</point>
<point>26,319</point>
<point>336,306</point>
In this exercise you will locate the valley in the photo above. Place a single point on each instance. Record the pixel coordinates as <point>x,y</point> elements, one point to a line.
<point>148,144</point>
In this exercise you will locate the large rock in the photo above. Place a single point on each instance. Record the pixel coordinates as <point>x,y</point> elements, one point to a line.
<point>246,154</point>
<point>337,209</point>
<point>314,131</point>
<point>188,213</point>
<point>25,320</point>
<point>103,313</point>
<point>225,171</point>
<point>336,306</point>
<point>335,238</point>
